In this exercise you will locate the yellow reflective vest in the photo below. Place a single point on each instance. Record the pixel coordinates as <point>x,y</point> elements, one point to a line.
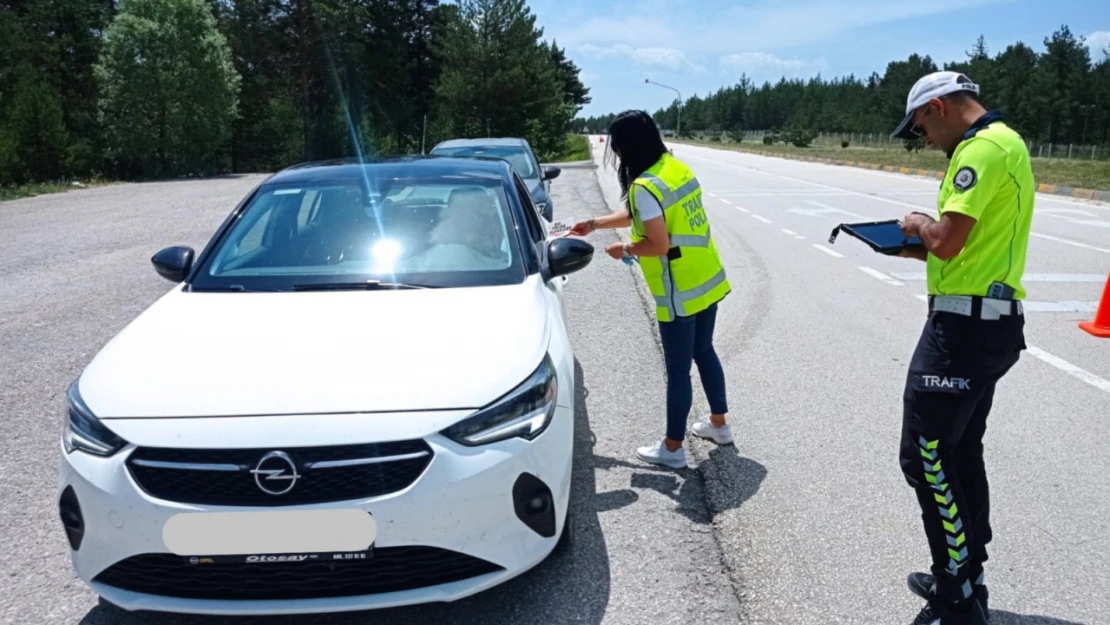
<point>690,278</point>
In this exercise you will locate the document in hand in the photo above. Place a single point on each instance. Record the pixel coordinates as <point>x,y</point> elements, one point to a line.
<point>560,228</point>
<point>885,237</point>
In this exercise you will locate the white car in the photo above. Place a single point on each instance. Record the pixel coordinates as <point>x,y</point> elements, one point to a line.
<point>359,395</point>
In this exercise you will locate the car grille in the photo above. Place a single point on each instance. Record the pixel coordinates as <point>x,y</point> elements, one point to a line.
<point>390,569</point>
<point>325,474</point>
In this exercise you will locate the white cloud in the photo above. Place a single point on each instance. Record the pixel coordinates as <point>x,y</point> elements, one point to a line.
<point>762,63</point>
<point>1098,42</point>
<point>666,58</point>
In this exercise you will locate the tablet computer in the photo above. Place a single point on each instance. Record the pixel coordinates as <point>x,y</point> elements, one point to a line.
<point>885,237</point>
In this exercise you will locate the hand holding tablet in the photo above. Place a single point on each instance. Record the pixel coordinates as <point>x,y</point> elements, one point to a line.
<point>885,237</point>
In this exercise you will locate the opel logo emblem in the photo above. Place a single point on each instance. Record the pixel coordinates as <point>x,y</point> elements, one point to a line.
<point>275,473</point>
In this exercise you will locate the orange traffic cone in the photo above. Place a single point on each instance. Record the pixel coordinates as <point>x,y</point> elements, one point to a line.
<point>1100,327</point>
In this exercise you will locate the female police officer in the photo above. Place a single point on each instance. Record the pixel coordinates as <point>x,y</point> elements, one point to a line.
<point>678,258</point>
<point>974,334</point>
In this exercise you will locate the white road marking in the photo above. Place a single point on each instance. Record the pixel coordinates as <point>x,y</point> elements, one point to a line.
<point>763,219</point>
<point>711,194</point>
<point>889,201</point>
<point>826,250</point>
<point>1072,370</point>
<point>742,209</point>
<point>726,201</point>
<point>790,232</point>
<point>1070,242</point>
<point>932,182</point>
<point>1097,278</point>
<point>875,273</point>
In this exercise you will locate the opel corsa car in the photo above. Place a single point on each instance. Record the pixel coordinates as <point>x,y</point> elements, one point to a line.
<point>359,394</point>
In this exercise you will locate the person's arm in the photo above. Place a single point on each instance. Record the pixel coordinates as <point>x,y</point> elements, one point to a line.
<point>980,171</point>
<point>918,253</point>
<point>656,242</point>
<point>620,219</point>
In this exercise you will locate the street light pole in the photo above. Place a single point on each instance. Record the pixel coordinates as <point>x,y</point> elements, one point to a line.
<point>678,125</point>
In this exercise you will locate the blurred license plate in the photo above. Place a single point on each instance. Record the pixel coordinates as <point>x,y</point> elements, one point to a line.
<point>271,535</point>
<point>283,558</point>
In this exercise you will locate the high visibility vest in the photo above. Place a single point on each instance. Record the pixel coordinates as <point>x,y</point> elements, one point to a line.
<point>690,278</point>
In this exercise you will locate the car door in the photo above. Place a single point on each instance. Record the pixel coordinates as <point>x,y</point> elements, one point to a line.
<point>538,230</point>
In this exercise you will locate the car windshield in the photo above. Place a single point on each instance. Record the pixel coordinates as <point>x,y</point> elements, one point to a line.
<point>517,156</point>
<point>441,232</point>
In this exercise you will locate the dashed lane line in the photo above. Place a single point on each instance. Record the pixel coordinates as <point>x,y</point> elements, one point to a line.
<point>826,250</point>
<point>875,273</point>
<point>917,207</point>
<point>763,219</point>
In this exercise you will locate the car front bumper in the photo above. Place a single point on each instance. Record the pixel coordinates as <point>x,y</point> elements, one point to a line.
<point>464,504</point>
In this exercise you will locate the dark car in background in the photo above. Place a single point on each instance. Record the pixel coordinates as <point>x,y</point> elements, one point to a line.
<point>519,154</point>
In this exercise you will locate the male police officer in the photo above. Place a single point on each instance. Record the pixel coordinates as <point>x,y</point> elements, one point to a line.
<point>974,334</point>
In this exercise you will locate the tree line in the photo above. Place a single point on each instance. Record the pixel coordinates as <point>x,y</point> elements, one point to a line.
<point>1058,96</point>
<point>145,88</point>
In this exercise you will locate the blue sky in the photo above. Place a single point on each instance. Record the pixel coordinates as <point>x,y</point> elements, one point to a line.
<point>698,46</point>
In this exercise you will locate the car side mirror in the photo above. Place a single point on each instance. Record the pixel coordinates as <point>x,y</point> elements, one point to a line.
<point>174,263</point>
<point>551,172</point>
<point>566,255</point>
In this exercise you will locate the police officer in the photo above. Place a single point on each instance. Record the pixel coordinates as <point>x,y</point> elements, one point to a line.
<point>975,257</point>
<point>678,258</point>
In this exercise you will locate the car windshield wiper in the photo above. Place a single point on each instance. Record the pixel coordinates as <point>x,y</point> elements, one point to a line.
<point>369,285</point>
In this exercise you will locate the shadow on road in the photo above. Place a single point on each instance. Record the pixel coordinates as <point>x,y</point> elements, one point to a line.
<point>999,617</point>
<point>729,480</point>
<point>568,587</point>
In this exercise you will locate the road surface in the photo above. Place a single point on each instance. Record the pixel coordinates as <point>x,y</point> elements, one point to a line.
<point>815,342</point>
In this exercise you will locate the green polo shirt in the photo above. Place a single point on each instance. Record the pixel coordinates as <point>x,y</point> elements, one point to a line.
<point>990,180</point>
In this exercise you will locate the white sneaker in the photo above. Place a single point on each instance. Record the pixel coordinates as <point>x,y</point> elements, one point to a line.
<point>659,454</point>
<point>719,435</point>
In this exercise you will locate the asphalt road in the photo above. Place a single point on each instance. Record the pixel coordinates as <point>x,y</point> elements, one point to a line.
<point>815,341</point>
<point>75,269</point>
<point>806,521</point>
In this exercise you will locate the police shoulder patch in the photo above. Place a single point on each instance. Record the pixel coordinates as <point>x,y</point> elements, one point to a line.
<point>964,179</point>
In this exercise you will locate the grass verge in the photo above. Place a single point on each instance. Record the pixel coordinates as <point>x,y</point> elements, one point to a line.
<point>575,148</point>
<point>1084,174</point>
<point>43,188</point>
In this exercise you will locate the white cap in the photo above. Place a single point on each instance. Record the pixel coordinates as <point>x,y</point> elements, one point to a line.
<point>935,85</point>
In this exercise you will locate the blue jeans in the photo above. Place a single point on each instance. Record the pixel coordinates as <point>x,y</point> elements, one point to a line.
<point>687,340</point>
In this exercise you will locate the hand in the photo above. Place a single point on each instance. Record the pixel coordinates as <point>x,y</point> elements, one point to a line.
<point>615,250</point>
<point>582,228</point>
<point>912,223</point>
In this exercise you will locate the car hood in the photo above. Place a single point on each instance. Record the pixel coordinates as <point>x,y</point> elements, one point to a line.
<point>229,354</point>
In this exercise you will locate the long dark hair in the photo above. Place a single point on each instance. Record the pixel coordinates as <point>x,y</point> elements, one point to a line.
<point>636,136</point>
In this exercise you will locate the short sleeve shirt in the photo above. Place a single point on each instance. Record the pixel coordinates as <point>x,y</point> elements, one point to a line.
<point>989,179</point>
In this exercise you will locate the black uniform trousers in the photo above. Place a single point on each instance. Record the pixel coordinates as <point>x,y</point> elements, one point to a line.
<point>948,395</point>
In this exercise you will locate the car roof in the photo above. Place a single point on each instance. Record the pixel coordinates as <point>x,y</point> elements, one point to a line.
<point>490,141</point>
<point>397,167</point>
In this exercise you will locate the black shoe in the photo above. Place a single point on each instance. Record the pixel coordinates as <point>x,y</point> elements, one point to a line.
<point>921,584</point>
<point>936,614</point>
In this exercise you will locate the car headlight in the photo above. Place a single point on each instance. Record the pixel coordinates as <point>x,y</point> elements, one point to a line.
<point>84,432</point>
<point>525,412</point>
